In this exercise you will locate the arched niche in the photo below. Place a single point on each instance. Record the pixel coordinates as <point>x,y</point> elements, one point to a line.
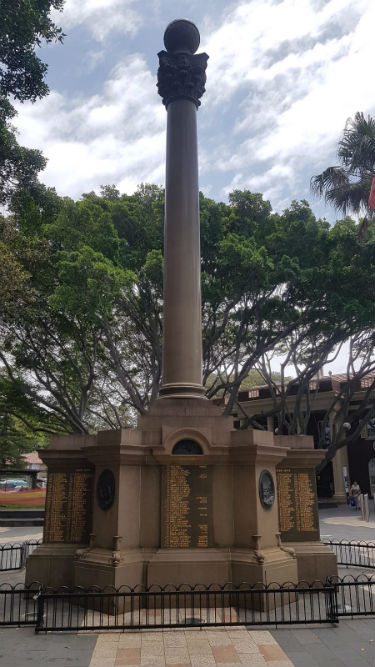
<point>187,447</point>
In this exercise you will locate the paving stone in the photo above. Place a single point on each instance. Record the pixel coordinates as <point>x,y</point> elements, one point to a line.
<point>225,655</point>
<point>262,637</point>
<point>133,640</point>
<point>252,659</point>
<point>176,654</point>
<point>110,637</point>
<point>218,638</point>
<point>153,661</point>
<point>128,656</point>
<point>272,652</point>
<point>203,661</point>
<point>106,650</point>
<point>102,662</point>
<point>177,639</point>
<point>303,659</point>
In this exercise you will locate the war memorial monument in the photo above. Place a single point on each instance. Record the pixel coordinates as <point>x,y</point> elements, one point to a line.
<point>184,497</point>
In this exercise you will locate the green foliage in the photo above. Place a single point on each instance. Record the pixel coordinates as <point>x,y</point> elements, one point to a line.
<point>24,25</point>
<point>347,186</point>
<point>19,166</point>
<point>82,293</point>
<point>19,424</point>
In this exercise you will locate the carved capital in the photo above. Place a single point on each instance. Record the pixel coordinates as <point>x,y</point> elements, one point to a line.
<point>181,76</point>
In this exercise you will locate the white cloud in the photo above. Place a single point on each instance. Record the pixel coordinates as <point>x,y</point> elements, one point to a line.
<point>294,72</point>
<point>115,137</point>
<point>101,17</point>
<point>282,78</point>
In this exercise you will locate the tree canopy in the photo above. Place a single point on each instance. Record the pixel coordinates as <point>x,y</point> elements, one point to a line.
<point>24,25</point>
<point>81,324</point>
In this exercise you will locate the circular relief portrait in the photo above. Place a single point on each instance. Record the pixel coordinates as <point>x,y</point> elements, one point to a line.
<point>106,489</point>
<point>266,489</point>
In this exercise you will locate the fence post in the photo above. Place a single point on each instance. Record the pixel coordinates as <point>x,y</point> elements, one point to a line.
<point>40,611</point>
<point>332,604</point>
<point>366,507</point>
<point>23,556</point>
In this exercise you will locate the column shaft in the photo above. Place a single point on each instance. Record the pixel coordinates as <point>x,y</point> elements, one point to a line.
<point>182,335</point>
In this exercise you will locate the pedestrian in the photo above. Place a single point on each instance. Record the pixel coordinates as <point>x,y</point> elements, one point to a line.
<point>354,494</point>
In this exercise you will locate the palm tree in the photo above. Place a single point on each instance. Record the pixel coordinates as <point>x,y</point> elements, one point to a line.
<point>347,187</point>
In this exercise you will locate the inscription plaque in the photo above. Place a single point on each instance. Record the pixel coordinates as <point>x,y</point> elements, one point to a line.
<point>298,507</point>
<point>68,506</point>
<point>187,506</point>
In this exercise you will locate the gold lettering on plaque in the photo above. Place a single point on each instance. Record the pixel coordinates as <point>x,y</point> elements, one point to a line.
<point>68,506</point>
<point>298,513</point>
<point>187,507</point>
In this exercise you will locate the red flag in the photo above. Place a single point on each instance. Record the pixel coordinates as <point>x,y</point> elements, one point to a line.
<point>371,199</point>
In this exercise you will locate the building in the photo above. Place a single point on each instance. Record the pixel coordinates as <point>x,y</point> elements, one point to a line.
<point>33,462</point>
<point>354,461</point>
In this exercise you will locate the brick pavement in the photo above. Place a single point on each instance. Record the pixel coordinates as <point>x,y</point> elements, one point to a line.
<point>189,648</point>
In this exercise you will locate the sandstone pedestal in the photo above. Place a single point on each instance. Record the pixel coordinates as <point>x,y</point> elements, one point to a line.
<point>175,518</point>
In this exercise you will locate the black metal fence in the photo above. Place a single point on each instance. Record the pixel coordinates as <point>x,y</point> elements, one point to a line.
<point>355,596</point>
<point>78,609</point>
<point>18,604</point>
<point>13,555</point>
<point>352,553</point>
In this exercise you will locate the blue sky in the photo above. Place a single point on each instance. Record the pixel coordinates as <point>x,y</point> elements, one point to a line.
<point>282,78</point>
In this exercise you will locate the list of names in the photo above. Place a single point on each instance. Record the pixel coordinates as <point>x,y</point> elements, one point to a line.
<point>68,506</point>
<point>298,512</point>
<point>187,507</point>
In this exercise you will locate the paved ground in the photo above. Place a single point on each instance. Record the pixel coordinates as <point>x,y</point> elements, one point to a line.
<point>20,533</point>
<point>350,644</point>
<point>345,522</point>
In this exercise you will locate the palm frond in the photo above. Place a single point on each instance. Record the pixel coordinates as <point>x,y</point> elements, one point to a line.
<point>347,187</point>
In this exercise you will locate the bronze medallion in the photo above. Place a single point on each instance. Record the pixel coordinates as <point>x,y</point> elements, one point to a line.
<point>106,489</point>
<point>266,489</point>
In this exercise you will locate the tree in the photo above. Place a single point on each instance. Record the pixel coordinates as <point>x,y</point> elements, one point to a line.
<point>335,299</point>
<point>82,324</point>
<point>347,186</point>
<point>20,427</point>
<point>19,166</point>
<point>23,27</point>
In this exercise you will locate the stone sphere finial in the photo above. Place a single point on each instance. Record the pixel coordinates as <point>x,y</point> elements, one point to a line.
<point>181,36</point>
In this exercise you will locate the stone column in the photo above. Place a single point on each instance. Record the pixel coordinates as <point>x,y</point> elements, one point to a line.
<point>181,79</point>
<point>338,462</point>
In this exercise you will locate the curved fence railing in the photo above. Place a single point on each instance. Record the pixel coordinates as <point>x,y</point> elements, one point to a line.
<point>125,608</point>
<point>353,553</point>
<point>13,555</point>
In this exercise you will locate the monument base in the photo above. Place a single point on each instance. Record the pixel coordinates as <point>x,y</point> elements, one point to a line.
<point>267,566</point>
<point>51,565</point>
<point>162,567</point>
<point>182,501</point>
<point>315,561</point>
<point>189,566</point>
<point>102,567</point>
